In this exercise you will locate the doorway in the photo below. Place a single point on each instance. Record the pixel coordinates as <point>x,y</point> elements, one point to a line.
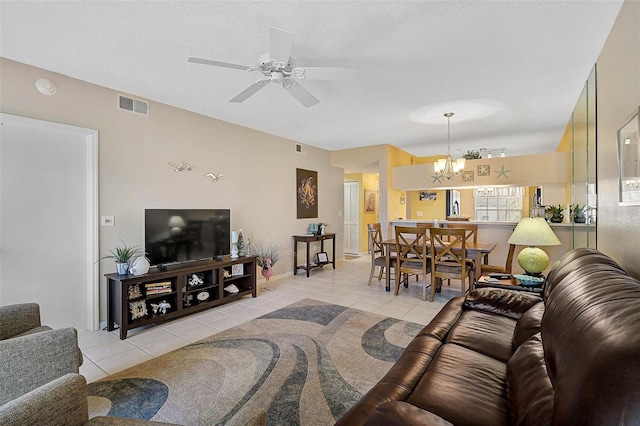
<point>48,220</point>
<point>351,217</point>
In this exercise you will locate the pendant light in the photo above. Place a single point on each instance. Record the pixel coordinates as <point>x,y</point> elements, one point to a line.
<point>447,168</point>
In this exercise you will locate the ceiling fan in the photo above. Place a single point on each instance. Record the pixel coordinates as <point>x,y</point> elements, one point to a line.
<point>278,67</point>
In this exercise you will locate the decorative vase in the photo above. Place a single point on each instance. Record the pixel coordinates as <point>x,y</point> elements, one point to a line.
<point>323,229</point>
<point>557,218</point>
<point>580,218</point>
<point>122,268</point>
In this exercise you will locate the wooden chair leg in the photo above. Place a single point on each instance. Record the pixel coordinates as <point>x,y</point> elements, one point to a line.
<point>381,272</point>
<point>432,295</point>
<point>373,267</point>
<point>398,279</point>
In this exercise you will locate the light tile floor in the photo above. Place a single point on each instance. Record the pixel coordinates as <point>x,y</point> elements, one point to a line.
<point>105,354</point>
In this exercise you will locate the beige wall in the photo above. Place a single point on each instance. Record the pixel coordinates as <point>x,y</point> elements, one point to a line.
<point>134,151</point>
<point>618,95</point>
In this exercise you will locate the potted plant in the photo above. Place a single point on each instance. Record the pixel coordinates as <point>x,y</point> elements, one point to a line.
<point>577,213</point>
<point>267,253</point>
<point>554,213</point>
<point>122,256</point>
<point>471,155</point>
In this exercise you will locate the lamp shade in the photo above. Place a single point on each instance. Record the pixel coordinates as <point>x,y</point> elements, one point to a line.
<point>534,231</point>
<point>176,221</point>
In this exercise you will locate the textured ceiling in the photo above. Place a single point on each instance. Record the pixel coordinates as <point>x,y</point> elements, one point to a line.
<point>512,71</point>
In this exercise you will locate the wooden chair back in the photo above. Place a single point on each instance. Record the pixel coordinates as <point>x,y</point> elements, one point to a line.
<point>500,269</point>
<point>424,225</point>
<point>412,252</point>
<point>375,240</point>
<point>471,230</point>
<point>448,252</point>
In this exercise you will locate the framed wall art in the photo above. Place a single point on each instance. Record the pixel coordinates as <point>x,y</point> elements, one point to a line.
<point>306,193</point>
<point>428,196</point>
<point>369,201</point>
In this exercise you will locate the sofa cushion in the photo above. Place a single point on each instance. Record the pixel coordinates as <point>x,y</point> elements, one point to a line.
<point>442,323</point>
<point>508,303</point>
<point>486,333</point>
<point>464,387</point>
<point>398,413</point>
<point>528,325</point>
<point>528,385</point>
<point>592,320</point>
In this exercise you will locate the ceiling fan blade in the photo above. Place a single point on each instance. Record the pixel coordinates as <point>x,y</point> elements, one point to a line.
<point>217,63</point>
<point>280,43</point>
<point>301,94</point>
<point>242,96</point>
<point>328,73</point>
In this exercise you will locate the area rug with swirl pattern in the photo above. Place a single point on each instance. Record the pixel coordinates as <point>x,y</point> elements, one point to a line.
<point>306,364</point>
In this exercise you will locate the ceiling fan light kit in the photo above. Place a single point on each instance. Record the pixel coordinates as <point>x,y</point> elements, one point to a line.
<point>278,67</point>
<point>448,168</point>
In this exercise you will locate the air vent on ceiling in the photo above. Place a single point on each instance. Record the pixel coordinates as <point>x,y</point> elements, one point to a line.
<point>133,105</point>
<point>300,149</point>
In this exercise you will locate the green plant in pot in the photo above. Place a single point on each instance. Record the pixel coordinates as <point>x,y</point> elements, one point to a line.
<point>122,255</point>
<point>577,213</point>
<point>471,155</point>
<point>554,213</point>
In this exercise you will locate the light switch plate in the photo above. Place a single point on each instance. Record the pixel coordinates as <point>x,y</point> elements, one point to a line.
<point>108,221</point>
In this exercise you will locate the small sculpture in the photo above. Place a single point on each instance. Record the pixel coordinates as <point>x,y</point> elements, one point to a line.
<point>267,272</point>
<point>161,307</point>
<point>241,246</point>
<point>195,280</point>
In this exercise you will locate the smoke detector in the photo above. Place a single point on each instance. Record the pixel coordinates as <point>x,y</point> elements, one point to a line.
<point>46,87</point>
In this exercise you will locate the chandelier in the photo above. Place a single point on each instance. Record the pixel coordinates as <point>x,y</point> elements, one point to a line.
<point>447,168</point>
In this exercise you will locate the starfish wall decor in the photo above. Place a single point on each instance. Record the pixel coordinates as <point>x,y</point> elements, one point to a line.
<point>502,172</point>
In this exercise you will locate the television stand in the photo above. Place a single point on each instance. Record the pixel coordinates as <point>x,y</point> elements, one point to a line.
<point>176,291</point>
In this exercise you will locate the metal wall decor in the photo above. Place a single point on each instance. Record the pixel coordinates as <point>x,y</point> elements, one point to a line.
<point>184,167</point>
<point>215,178</point>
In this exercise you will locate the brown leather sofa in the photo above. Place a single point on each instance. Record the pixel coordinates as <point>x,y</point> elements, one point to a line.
<point>501,357</point>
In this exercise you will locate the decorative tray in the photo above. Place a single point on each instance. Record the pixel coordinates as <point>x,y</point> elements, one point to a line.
<point>528,280</point>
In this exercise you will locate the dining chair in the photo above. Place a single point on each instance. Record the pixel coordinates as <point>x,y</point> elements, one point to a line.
<point>448,258</point>
<point>471,230</point>
<point>412,251</point>
<point>377,250</point>
<point>506,269</point>
<point>471,234</point>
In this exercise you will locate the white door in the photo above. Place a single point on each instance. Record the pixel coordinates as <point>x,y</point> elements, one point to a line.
<point>351,217</point>
<point>48,220</point>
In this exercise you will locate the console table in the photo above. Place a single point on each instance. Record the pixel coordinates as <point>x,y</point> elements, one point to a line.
<point>308,239</point>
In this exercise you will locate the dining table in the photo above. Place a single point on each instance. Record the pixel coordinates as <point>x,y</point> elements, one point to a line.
<point>475,251</point>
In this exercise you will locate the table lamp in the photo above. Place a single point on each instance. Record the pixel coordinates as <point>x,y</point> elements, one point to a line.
<point>533,232</point>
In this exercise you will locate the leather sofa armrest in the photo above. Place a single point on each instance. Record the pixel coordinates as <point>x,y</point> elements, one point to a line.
<point>16,319</point>
<point>62,401</point>
<point>508,303</point>
<point>30,361</point>
<point>400,413</point>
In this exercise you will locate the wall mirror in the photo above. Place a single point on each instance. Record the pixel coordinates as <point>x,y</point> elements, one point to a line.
<point>629,161</point>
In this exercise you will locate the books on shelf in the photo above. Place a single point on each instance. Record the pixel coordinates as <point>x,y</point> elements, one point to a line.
<point>152,289</point>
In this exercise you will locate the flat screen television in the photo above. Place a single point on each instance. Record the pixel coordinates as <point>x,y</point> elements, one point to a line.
<point>179,235</point>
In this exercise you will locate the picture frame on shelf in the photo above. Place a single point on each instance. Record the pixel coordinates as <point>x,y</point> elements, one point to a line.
<point>323,258</point>
<point>237,269</point>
